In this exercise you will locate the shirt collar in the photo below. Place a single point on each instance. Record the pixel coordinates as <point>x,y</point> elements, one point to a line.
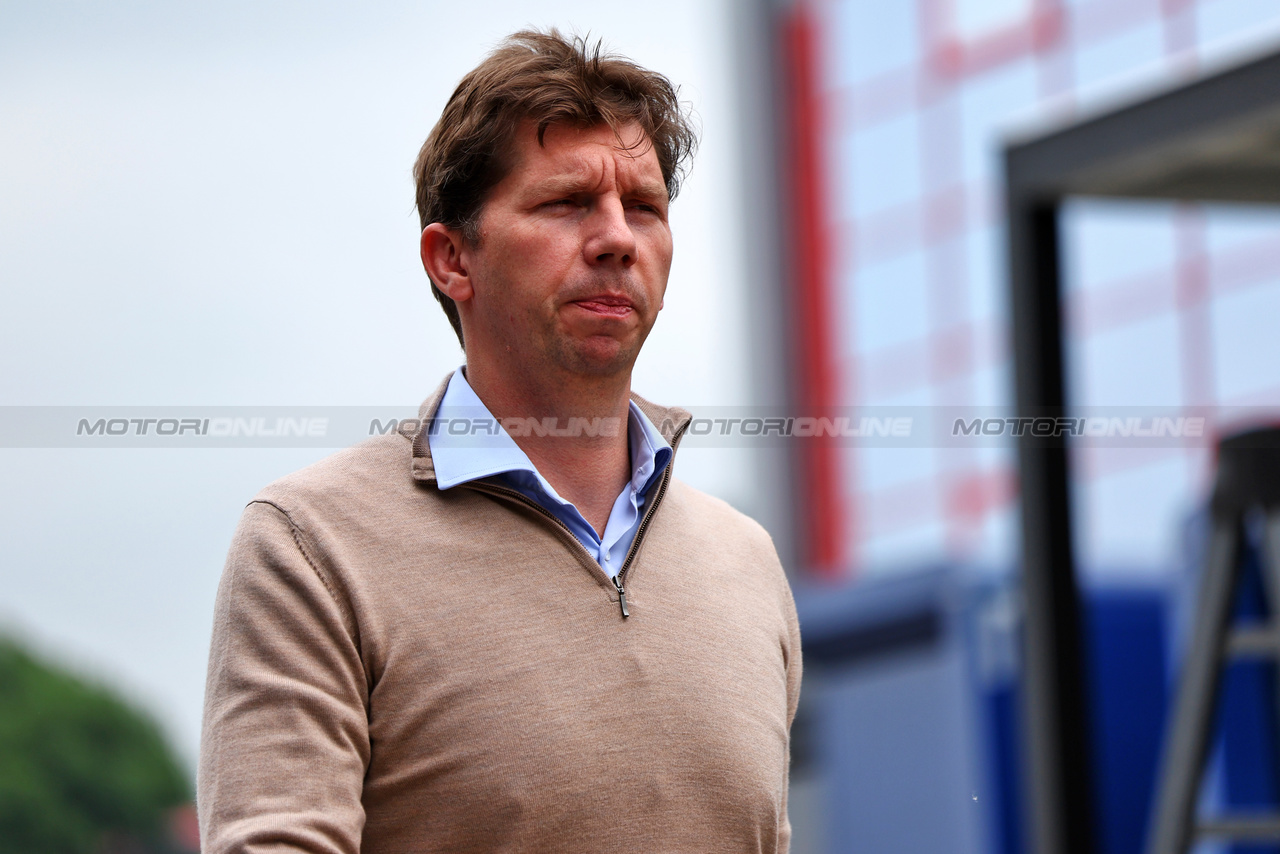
<point>481,448</point>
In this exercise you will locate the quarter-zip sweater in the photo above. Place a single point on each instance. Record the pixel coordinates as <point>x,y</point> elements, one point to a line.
<point>399,669</point>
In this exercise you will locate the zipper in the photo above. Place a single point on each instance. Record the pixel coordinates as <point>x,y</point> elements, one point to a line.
<point>567,534</point>
<point>622,597</point>
<point>644,523</point>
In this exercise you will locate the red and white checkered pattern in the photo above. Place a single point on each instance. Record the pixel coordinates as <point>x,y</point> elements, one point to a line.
<point>1166,305</point>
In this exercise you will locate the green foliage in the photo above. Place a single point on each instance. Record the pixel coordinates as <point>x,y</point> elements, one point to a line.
<point>77,764</point>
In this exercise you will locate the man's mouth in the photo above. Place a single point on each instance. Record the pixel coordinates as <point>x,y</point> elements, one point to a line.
<point>606,306</point>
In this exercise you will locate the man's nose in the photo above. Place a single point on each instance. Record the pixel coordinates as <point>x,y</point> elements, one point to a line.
<point>611,239</point>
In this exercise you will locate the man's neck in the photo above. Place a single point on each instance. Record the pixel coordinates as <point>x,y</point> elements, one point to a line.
<point>587,469</point>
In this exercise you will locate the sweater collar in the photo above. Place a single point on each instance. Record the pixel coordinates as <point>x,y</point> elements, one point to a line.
<point>669,420</point>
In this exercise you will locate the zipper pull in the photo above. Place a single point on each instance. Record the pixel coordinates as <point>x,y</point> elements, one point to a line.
<point>622,597</point>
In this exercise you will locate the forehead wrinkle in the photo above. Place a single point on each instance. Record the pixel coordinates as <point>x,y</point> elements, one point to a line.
<point>645,182</point>
<point>601,164</point>
<point>593,172</point>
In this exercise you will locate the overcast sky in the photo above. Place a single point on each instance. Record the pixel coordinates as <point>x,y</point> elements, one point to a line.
<point>213,206</point>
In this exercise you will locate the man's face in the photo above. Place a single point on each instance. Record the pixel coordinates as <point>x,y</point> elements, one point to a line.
<point>573,254</point>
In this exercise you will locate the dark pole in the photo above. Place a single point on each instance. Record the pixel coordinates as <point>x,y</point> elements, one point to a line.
<point>1055,708</point>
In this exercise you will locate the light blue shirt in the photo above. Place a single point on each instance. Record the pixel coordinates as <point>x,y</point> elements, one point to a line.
<point>468,444</point>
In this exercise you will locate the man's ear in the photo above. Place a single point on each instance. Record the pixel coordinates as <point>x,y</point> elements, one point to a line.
<point>445,257</point>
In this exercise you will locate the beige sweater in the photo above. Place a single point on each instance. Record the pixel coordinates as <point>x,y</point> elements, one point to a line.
<point>398,669</point>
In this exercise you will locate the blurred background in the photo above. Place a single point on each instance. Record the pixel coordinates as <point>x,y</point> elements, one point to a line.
<point>211,206</point>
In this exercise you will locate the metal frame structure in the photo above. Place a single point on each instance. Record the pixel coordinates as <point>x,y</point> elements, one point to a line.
<point>1247,483</point>
<point>1214,139</point>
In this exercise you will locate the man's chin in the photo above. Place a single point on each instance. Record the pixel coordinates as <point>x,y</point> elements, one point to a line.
<point>599,357</point>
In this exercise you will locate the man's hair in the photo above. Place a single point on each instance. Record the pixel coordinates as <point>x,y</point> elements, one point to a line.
<point>546,79</point>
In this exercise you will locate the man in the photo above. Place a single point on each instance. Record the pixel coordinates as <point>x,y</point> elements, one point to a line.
<point>537,640</point>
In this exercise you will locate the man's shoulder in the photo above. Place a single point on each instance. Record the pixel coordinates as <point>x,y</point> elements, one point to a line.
<point>372,471</point>
<point>716,518</point>
<point>378,467</point>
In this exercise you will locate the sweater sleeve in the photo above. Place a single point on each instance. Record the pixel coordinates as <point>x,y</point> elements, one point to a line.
<point>794,672</point>
<point>285,740</point>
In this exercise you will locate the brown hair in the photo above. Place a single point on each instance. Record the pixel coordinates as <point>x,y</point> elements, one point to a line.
<point>547,79</point>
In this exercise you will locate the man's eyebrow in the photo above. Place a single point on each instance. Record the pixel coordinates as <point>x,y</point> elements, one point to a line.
<point>568,184</point>
<point>558,184</point>
<point>650,190</point>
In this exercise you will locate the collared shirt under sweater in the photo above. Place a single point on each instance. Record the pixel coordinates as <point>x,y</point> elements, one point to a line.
<point>397,668</point>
